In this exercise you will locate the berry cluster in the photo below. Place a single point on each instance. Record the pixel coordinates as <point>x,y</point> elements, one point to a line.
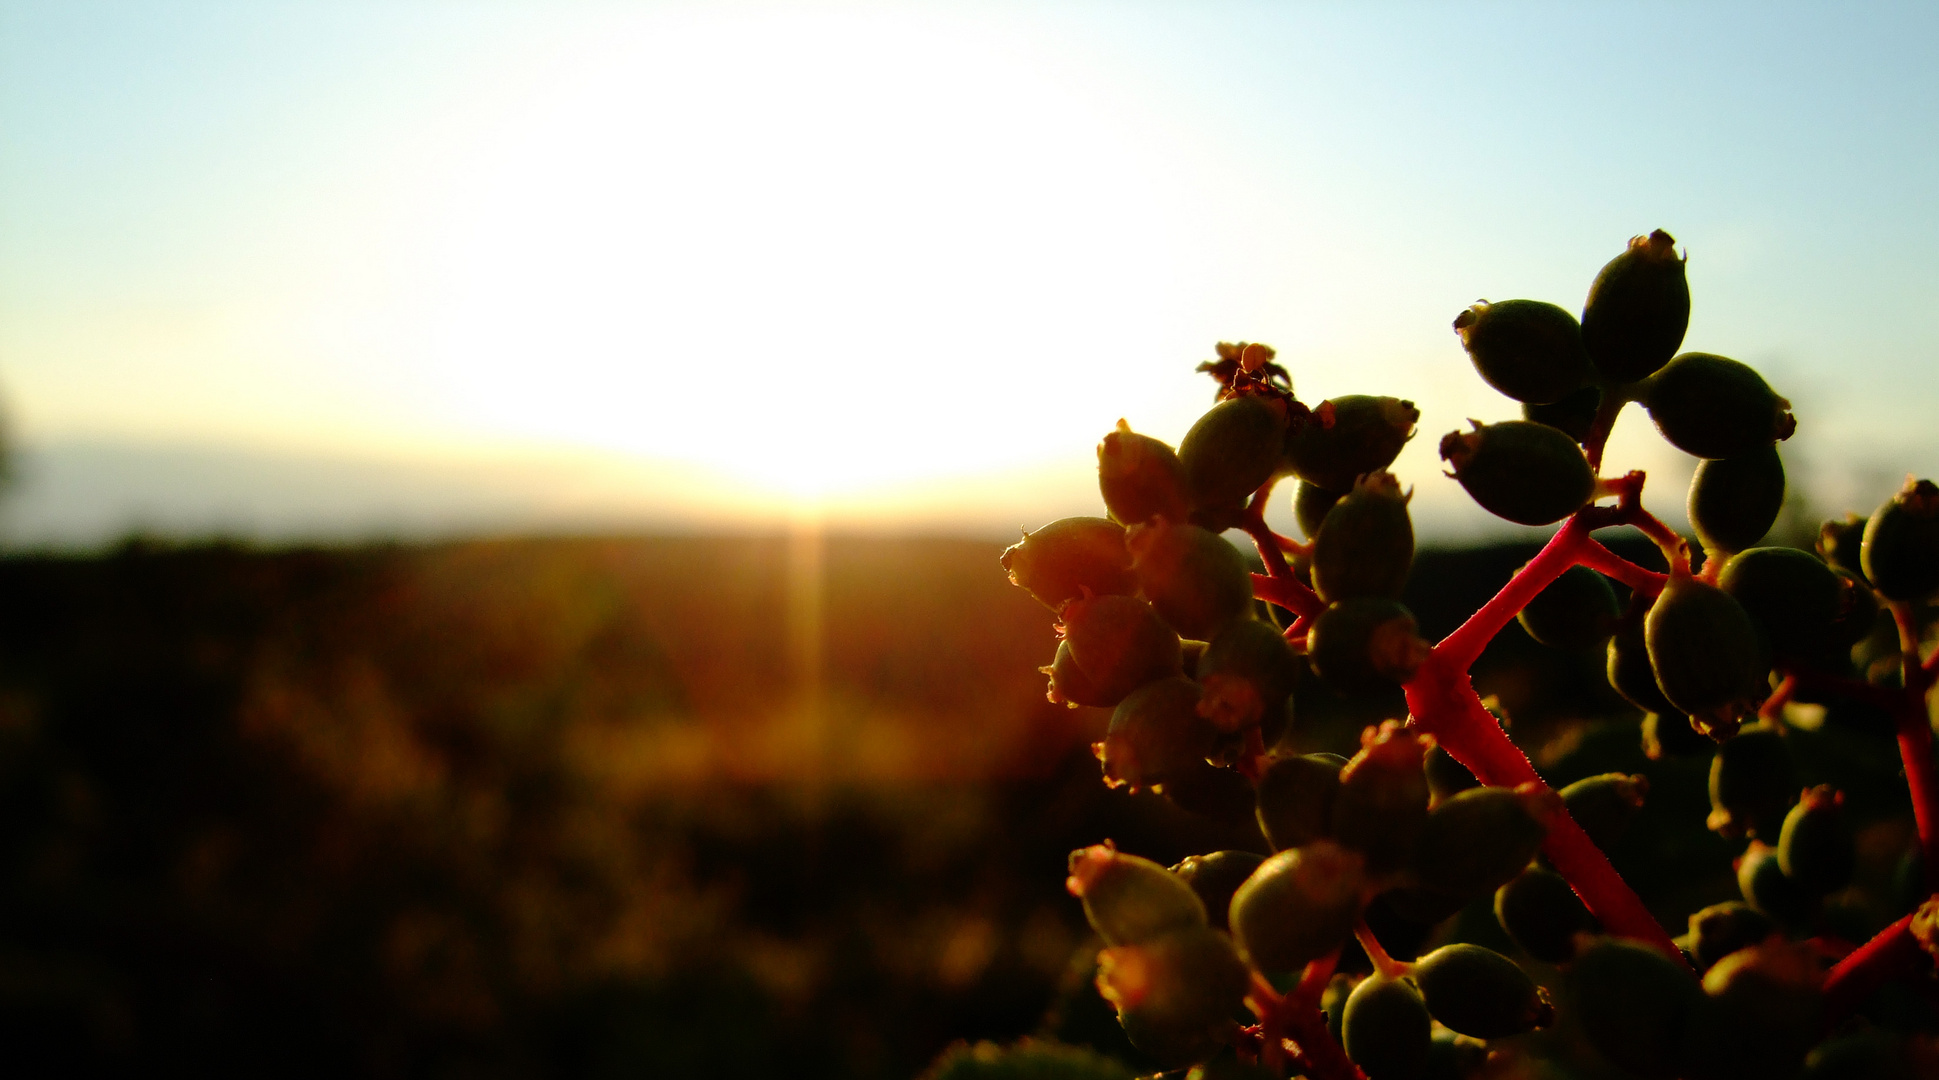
<point>1227,963</point>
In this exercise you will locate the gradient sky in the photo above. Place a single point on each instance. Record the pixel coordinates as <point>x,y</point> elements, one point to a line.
<point>332,269</point>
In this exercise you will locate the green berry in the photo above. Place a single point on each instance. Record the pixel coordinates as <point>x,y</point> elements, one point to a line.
<point>1197,582</point>
<point>1361,643</point>
<point>1870,1054</point>
<point>1605,805</point>
<point>1480,993</point>
<point>1058,562</point>
<point>1247,673</point>
<point>1713,407</point>
<point>1382,805</point>
<point>1816,847</point>
<point>1793,598</point>
<point>1576,612</point>
<point>1901,547</point>
<point>1310,506</point>
<point>1156,733</point>
<point>1672,735</point>
<point>1068,683</point>
<point>1130,899</point>
<point>1298,906</point>
<point>1705,651</point>
<point>1764,1013</point>
<point>1296,797</point>
<point>1232,450</point>
<point>1364,434</point>
<point>1530,350</point>
<point>1479,840</point>
<point>1752,784</point>
<point>1735,501</point>
<point>1386,1028</point>
<point>1542,914</point>
<point>1366,544</point>
<point>1635,1005</point>
<point>1841,544</point>
<point>1638,309</point>
<point>1766,888</point>
<point>1574,415</point>
<point>1141,478</point>
<point>1176,994</point>
<point>1120,644</point>
<point>1210,791</point>
<point>1630,672</point>
<point>1722,929</point>
<point>1216,877</point>
<point>1528,473</point>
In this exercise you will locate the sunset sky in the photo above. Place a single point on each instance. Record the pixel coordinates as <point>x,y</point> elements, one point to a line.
<point>414,268</point>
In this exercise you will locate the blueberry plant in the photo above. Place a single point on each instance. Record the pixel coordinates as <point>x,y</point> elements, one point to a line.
<point>1226,964</point>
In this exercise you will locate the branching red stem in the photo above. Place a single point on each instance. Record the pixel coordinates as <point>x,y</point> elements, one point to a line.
<point>1915,739</point>
<point>1297,1016</point>
<point>1893,954</point>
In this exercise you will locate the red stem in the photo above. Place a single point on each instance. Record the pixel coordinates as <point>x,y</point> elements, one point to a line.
<point>1612,403</point>
<point>1298,1015</point>
<point>1915,740</point>
<point>1894,953</point>
<point>1606,562</point>
<point>1443,702</point>
<point>1461,648</point>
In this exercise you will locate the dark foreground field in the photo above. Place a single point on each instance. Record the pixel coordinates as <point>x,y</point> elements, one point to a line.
<point>587,808</point>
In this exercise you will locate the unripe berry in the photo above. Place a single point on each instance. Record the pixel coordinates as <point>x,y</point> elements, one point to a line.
<point>1638,309</point>
<point>1232,450</point>
<point>1605,805</point>
<point>1574,415</point>
<point>1901,548</point>
<point>1765,886</point>
<point>1141,478</point>
<point>1365,434</point>
<point>1479,840</point>
<point>1058,562</point>
<point>1713,407</point>
<point>1175,995</point>
<point>1764,1013</point>
<point>1366,544</point>
<point>1310,506</point>
<point>1196,581</point>
<point>1068,683</point>
<point>1722,929</point>
<point>1481,993</point>
<point>1630,672</point>
<point>1215,877</point>
<point>1793,599</point>
<point>1211,791</point>
<point>1386,1028</point>
<point>1361,643</point>
<point>1130,899</point>
<point>1120,643</point>
<point>1528,473</point>
<point>1382,805</point>
<point>1734,501</point>
<point>1705,651</point>
<point>1841,544</point>
<point>1296,797</point>
<point>1635,1005</point>
<point>1542,914</point>
<point>1671,734</point>
<point>1155,733</point>
<point>1530,350</point>
<point>1298,906</point>
<point>1247,673</point>
<point>1816,847</point>
<point>1577,611</point>
<point>1752,784</point>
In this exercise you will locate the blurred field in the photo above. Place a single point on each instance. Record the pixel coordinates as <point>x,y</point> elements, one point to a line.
<point>587,808</point>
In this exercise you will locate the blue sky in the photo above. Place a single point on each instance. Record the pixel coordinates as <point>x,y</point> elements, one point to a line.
<point>352,268</point>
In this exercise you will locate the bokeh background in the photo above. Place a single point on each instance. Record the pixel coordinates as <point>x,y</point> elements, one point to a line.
<point>501,540</point>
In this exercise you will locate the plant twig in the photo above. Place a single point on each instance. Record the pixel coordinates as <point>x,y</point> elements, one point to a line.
<point>1915,739</point>
<point>1893,954</point>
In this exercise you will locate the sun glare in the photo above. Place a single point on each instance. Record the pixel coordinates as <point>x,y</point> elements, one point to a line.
<point>824,255</point>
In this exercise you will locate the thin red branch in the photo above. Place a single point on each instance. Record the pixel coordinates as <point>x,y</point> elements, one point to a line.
<point>1277,585</point>
<point>1606,562</point>
<point>1383,964</point>
<point>1893,954</point>
<point>1461,648</point>
<point>1915,740</point>
<point>1611,404</point>
<point>1772,711</point>
<point>1442,700</point>
<point>1288,593</point>
<point>1298,1017</point>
